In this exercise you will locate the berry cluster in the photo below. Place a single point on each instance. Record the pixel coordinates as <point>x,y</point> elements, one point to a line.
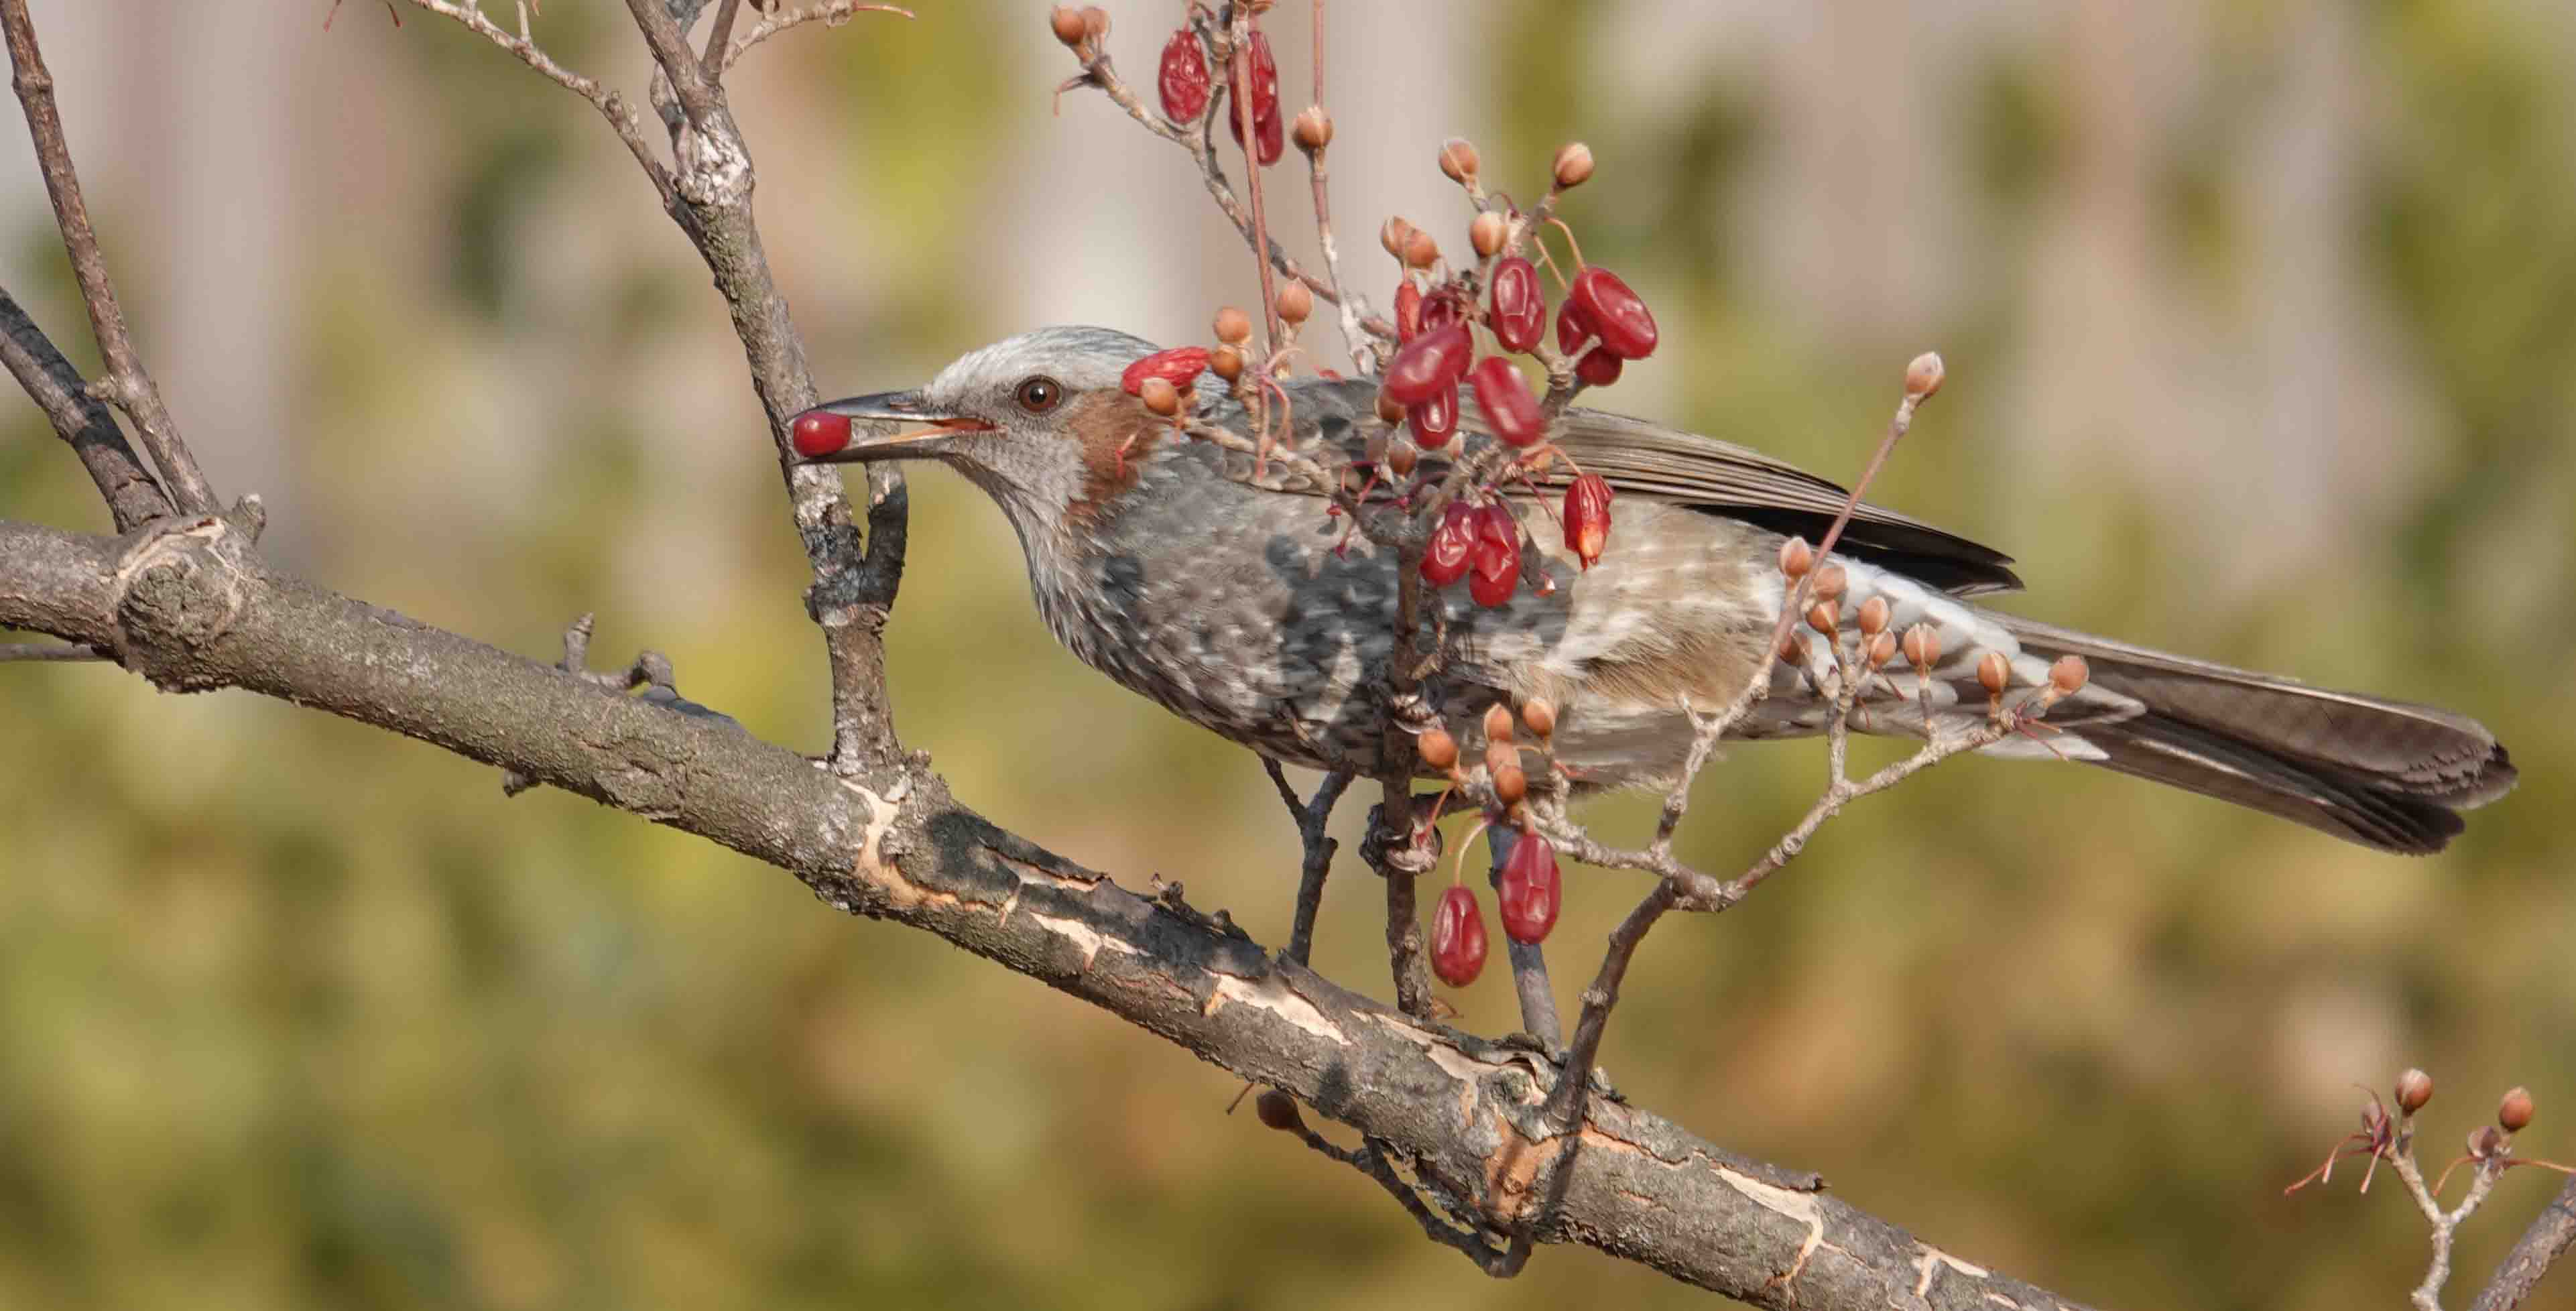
<point>1528,887</point>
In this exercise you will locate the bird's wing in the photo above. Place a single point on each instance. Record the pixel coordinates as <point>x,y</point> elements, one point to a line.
<point>1716,477</point>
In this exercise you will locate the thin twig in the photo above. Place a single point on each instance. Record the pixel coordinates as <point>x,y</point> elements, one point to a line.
<point>830,15</point>
<point>50,652</point>
<point>719,40</point>
<point>1312,818</point>
<point>132,496</point>
<point>126,384</point>
<point>611,105</point>
<point>1239,73</point>
<point>2549,1236</point>
<point>2428,1295</point>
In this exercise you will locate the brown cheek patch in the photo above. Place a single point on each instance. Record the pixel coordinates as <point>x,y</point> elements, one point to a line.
<point>1115,434</point>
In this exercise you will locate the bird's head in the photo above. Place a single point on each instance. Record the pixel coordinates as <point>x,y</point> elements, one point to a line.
<point>1040,421</point>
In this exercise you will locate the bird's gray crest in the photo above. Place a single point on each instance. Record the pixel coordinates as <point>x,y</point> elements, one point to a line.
<point>1082,358</point>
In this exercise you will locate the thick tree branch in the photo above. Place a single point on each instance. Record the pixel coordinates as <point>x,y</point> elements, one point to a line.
<point>50,380</point>
<point>2549,1236</point>
<point>126,383</point>
<point>189,604</point>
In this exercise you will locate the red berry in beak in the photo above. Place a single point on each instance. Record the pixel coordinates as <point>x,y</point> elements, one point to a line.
<point>1587,518</point>
<point>1452,546</point>
<point>1184,81</point>
<point>1509,408</point>
<point>1626,328</point>
<point>820,432</point>
<point>1434,420</point>
<point>1179,366</point>
<point>1519,307</point>
<point>1458,937</point>
<point>1530,890</point>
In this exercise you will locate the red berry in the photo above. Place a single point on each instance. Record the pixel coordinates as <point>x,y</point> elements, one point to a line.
<point>821,432</point>
<point>1440,309</point>
<point>1598,367</point>
<point>1458,937</point>
<point>1408,311</point>
<point>1627,329</point>
<point>1261,75</point>
<point>1178,366</point>
<point>1452,546</point>
<point>1519,306</point>
<point>1497,562</point>
<point>1434,420</point>
<point>1184,81</point>
<point>1424,365</point>
<point>1573,327</point>
<point>1509,408</point>
<point>1587,518</point>
<point>1530,889</point>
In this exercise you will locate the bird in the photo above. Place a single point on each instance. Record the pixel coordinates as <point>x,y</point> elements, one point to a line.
<point>1215,584</point>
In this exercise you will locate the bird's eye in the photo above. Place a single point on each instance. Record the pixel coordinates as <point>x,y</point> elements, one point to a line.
<point>1039,395</point>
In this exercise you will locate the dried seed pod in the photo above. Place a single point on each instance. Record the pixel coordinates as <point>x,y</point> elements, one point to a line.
<point>1458,937</point>
<point>1498,723</point>
<point>1923,376</point>
<point>1587,518</point>
<point>1573,165</point>
<point>1452,549</point>
<point>1177,366</point>
<point>1233,326</point>
<point>818,433</point>
<point>1510,411</point>
<point>1429,363</point>
<point>1437,749</point>
<point>1796,558</point>
<point>1485,232</point>
<point>1295,302</point>
<point>1823,617</point>
<point>2514,1113</point>
<point>1614,313</point>
<point>1420,251</point>
<point>1882,648</point>
<point>1539,714</point>
<point>2414,1089</point>
<point>1519,306</point>
<point>1530,889</point>
<point>1458,159</point>
<point>2068,676</point>
<point>1067,23</point>
<point>1227,363</point>
<point>1160,396</point>
<point>1994,673</point>
<point>1434,421</point>
<point>1393,234</point>
<point>1278,1110</point>
<point>1922,646</point>
<point>1873,616</point>
<point>1830,582</point>
<point>1313,129</point>
<point>1510,785</point>
<point>1184,81</point>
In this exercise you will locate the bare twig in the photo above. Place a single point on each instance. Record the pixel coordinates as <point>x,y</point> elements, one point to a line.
<point>126,383</point>
<point>2547,1239</point>
<point>1312,818</point>
<point>830,15</point>
<point>2428,1295</point>
<point>613,106</point>
<point>81,419</point>
<point>50,653</point>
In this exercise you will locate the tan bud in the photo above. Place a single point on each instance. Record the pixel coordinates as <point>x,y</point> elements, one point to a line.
<point>1458,159</point>
<point>2515,1111</point>
<point>1388,411</point>
<point>1830,582</point>
<point>1278,1110</point>
<point>1994,673</point>
<point>1539,714</point>
<point>1095,22</point>
<point>1499,756</point>
<point>1394,234</point>
<point>1401,457</point>
<point>1873,616</point>
<point>1882,648</point>
<point>1922,646</point>
<point>1573,165</point>
<point>1420,251</point>
<point>1160,396</point>
<point>1313,129</point>
<point>2069,675</point>
<point>1498,723</point>
<point>1510,785</point>
<point>1067,22</point>
<point>1437,748</point>
<point>1226,362</point>
<point>1923,376</point>
<point>1796,558</point>
<point>1823,617</point>
<point>1295,302</point>
<point>1233,326</point>
<point>1485,232</point>
<point>2414,1089</point>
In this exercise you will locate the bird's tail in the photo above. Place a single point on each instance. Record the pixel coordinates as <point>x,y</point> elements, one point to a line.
<point>2381,773</point>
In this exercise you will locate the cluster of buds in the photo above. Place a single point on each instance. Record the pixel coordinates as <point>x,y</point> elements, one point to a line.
<point>2383,1136</point>
<point>1866,651</point>
<point>1529,886</point>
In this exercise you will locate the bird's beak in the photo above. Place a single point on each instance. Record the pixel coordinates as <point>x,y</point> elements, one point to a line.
<point>892,425</point>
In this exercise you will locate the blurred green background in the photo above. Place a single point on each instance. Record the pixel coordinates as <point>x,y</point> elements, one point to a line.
<point>2259,318</point>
